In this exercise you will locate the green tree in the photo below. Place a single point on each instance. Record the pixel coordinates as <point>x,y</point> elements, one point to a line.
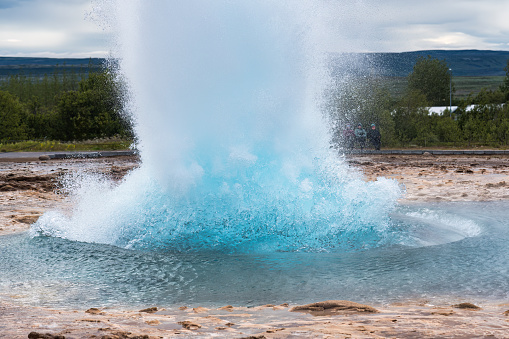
<point>447,130</point>
<point>12,115</point>
<point>481,124</point>
<point>92,111</point>
<point>409,113</point>
<point>488,97</point>
<point>433,78</point>
<point>504,88</point>
<point>503,131</point>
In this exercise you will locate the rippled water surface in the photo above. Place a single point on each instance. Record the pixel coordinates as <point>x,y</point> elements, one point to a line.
<point>453,251</point>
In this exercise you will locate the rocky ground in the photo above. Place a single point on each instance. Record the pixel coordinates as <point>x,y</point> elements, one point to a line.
<point>332,319</point>
<point>430,178</point>
<point>27,189</point>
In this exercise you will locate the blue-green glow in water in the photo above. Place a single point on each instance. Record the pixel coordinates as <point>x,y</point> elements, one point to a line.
<point>229,113</point>
<point>455,250</point>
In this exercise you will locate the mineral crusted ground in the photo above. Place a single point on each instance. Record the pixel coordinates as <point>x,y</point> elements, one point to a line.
<point>28,189</point>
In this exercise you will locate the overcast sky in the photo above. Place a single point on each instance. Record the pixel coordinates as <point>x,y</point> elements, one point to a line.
<point>60,28</point>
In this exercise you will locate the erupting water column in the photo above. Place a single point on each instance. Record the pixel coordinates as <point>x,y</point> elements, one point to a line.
<point>235,151</point>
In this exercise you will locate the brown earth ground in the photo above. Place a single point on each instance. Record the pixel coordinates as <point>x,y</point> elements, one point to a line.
<point>429,178</point>
<point>29,189</point>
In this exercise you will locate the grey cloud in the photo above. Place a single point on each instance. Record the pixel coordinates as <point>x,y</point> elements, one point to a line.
<point>48,26</point>
<point>355,25</point>
<point>11,3</point>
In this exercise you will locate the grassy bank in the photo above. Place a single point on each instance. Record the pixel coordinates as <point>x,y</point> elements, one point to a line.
<point>117,145</point>
<point>50,146</point>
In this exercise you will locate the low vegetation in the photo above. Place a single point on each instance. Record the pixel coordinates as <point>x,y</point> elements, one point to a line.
<point>69,107</point>
<point>68,110</point>
<point>405,120</point>
<point>102,144</point>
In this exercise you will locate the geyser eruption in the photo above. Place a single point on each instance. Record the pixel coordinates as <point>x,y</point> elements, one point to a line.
<point>226,97</point>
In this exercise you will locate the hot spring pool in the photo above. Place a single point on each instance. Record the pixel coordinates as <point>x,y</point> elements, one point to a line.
<point>448,251</point>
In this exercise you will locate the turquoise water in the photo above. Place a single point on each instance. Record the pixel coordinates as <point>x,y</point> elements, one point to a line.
<point>450,251</point>
<point>260,211</point>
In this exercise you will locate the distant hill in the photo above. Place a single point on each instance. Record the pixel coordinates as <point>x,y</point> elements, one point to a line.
<point>462,63</point>
<point>41,66</point>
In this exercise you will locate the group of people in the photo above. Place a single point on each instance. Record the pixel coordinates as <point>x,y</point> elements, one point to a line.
<point>360,137</point>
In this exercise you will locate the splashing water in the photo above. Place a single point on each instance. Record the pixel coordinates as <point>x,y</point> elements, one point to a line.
<point>226,100</point>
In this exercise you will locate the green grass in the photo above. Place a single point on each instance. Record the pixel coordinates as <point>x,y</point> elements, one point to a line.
<point>396,85</point>
<point>463,145</point>
<point>50,146</point>
<point>464,85</point>
<point>467,85</point>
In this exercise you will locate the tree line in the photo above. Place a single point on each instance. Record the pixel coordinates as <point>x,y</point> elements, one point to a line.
<point>65,105</point>
<point>75,106</point>
<point>479,120</point>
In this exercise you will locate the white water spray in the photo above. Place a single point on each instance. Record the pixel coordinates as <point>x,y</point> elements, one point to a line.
<point>235,153</point>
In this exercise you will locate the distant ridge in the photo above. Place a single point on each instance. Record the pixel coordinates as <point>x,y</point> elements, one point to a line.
<point>462,62</point>
<point>40,66</point>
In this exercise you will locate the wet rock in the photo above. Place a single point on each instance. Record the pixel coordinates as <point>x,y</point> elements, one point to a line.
<point>123,335</point>
<point>464,170</point>
<point>14,182</point>
<point>189,325</point>
<point>44,157</point>
<point>149,310</point>
<point>94,310</point>
<point>444,313</point>
<point>27,219</point>
<point>200,309</point>
<point>36,335</point>
<point>467,306</point>
<point>499,184</point>
<point>91,320</point>
<point>333,307</point>
<point>7,188</point>
<point>227,308</point>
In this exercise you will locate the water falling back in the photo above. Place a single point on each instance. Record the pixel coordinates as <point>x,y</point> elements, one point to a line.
<point>227,104</point>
